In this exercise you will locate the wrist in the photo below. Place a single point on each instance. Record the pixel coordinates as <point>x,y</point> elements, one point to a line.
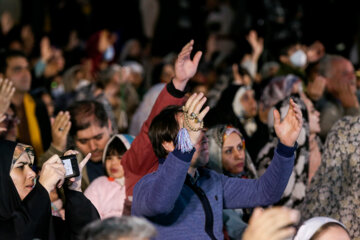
<point>58,147</point>
<point>47,188</point>
<point>180,84</point>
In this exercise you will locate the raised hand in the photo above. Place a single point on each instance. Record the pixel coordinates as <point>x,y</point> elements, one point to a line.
<point>272,224</point>
<point>193,117</point>
<point>185,68</point>
<point>52,173</point>
<point>347,96</point>
<point>45,49</point>
<point>75,182</point>
<point>60,127</point>
<point>257,44</point>
<point>289,128</point>
<point>6,92</point>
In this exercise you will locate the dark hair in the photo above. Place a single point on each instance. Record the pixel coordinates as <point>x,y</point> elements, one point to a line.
<point>326,227</point>
<point>164,128</point>
<point>84,113</point>
<point>116,147</point>
<point>5,56</point>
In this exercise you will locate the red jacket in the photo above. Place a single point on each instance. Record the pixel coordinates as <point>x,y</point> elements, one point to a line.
<point>140,159</point>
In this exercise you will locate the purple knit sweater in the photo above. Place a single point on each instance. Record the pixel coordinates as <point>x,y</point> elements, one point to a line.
<point>179,210</point>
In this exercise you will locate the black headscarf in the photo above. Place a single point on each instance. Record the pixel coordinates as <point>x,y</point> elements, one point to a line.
<point>21,219</point>
<point>9,197</point>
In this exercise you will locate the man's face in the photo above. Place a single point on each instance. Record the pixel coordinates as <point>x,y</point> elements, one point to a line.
<point>342,73</point>
<point>93,140</point>
<point>18,72</point>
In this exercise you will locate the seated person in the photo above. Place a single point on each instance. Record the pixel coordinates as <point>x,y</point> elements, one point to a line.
<point>25,211</point>
<point>107,193</point>
<point>186,202</point>
<point>227,155</point>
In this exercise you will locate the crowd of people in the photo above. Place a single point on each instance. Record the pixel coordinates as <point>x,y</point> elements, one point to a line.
<point>258,141</point>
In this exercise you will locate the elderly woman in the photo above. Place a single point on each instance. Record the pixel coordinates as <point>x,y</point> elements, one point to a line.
<point>334,190</point>
<point>25,210</point>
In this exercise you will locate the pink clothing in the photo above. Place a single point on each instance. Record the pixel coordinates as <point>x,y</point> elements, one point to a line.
<point>107,196</point>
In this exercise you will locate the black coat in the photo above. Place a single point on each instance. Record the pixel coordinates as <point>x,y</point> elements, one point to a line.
<point>31,218</point>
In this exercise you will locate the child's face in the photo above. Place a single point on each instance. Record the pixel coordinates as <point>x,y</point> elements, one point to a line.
<point>113,166</point>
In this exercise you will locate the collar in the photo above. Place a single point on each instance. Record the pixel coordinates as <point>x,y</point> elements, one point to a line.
<point>194,179</point>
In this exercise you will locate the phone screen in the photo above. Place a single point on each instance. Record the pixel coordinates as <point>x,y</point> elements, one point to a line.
<point>68,167</point>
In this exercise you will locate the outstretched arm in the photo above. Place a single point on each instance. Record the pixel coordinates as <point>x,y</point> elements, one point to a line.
<point>268,189</point>
<point>140,159</point>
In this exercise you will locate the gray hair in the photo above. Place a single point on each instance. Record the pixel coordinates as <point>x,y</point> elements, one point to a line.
<point>326,64</point>
<point>114,228</point>
<point>106,75</point>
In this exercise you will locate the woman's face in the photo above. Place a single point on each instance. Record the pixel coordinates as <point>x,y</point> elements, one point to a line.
<point>249,103</point>
<point>233,154</point>
<point>314,116</point>
<point>334,233</point>
<point>113,166</point>
<point>23,176</point>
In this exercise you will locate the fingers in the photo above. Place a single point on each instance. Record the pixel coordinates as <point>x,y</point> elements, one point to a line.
<point>186,50</point>
<point>190,100</point>
<point>84,161</point>
<point>203,113</point>
<point>62,122</point>
<point>187,46</point>
<point>2,118</point>
<point>276,117</point>
<point>194,102</point>
<point>54,159</point>
<point>6,88</point>
<point>294,107</point>
<point>199,105</point>
<point>71,152</point>
<point>197,57</point>
<point>256,214</point>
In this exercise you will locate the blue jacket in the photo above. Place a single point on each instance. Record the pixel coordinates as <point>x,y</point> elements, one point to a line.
<point>183,209</point>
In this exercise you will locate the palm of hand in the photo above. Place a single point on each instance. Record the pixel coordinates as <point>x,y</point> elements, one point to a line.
<point>289,129</point>
<point>185,68</point>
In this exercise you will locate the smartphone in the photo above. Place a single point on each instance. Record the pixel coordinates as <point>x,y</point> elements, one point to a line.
<point>71,166</point>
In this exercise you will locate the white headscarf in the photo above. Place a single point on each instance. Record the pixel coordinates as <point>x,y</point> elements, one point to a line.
<point>311,226</point>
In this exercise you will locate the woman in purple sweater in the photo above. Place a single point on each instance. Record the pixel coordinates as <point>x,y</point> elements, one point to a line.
<point>185,201</point>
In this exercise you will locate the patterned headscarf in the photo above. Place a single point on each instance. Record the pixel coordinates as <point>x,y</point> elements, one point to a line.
<point>295,190</point>
<point>21,149</point>
<point>335,189</point>
<point>216,136</point>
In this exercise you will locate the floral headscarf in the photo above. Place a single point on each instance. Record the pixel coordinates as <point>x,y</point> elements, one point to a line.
<point>21,149</point>
<point>216,136</point>
<point>335,189</point>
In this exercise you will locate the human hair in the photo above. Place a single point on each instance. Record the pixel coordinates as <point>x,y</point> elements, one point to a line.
<point>6,55</point>
<point>164,128</point>
<point>106,75</point>
<point>114,228</point>
<point>86,112</point>
<point>325,227</point>
<point>116,147</point>
<point>326,64</point>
